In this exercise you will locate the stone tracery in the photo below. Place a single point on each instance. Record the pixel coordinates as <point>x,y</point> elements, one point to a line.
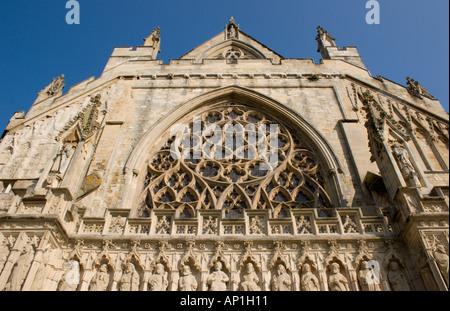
<point>239,175</point>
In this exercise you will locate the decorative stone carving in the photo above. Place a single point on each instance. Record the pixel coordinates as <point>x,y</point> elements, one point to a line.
<point>281,281</point>
<point>71,277</point>
<point>414,88</point>
<point>101,279</point>
<point>20,269</point>
<point>187,281</point>
<point>154,41</point>
<point>250,280</point>
<point>42,272</point>
<point>367,277</point>
<point>396,278</point>
<point>4,253</point>
<point>257,226</point>
<point>441,257</point>
<point>187,183</point>
<point>309,281</point>
<point>406,167</point>
<point>117,225</point>
<point>87,119</point>
<point>217,280</point>
<point>56,86</point>
<point>158,282</point>
<point>232,30</point>
<point>61,163</point>
<point>129,280</point>
<point>336,280</point>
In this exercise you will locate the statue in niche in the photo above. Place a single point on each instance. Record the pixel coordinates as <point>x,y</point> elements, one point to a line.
<point>187,281</point>
<point>20,269</point>
<point>217,279</point>
<point>368,281</point>
<point>4,252</point>
<point>100,281</point>
<point>309,281</point>
<point>71,277</point>
<point>281,281</point>
<point>158,281</point>
<point>406,167</point>
<point>396,279</point>
<point>63,158</point>
<point>130,279</point>
<point>251,279</point>
<point>41,273</point>
<point>336,280</point>
<point>232,29</point>
<point>441,258</point>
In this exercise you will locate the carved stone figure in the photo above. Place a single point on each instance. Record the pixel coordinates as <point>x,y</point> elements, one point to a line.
<point>158,281</point>
<point>232,29</point>
<point>217,279</point>
<point>4,252</point>
<point>396,279</point>
<point>130,279</point>
<point>414,88</point>
<point>56,86</point>
<point>63,158</point>
<point>41,273</point>
<point>281,281</point>
<point>336,280</point>
<point>187,281</point>
<point>251,279</point>
<point>71,277</point>
<point>309,282</point>
<point>20,269</point>
<point>406,167</point>
<point>367,280</point>
<point>154,41</point>
<point>100,281</point>
<point>441,258</point>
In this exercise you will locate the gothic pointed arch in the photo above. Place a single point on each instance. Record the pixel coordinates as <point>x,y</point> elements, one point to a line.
<point>238,175</point>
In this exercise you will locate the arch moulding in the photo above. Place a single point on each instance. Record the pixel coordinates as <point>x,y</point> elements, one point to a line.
<point>137,160</point>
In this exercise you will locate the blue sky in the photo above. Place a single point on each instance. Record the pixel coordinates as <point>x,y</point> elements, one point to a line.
<point>36,43</point>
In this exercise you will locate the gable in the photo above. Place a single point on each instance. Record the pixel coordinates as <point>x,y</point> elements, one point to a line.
<point>232,44</point>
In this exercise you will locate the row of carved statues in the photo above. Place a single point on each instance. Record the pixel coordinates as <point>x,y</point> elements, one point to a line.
<point>47,268</point>
<point>218,279</point>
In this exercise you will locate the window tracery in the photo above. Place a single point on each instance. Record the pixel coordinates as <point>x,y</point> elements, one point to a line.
<point>244,162</point>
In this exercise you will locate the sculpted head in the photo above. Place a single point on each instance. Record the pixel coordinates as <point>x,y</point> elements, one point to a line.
<point>393,266</point>
<point>335,268</point>
<point>364,265</point>
<point>440,249</point>
<point>281,269</point>
<point>159,268</point>
<point>130,268</point>
<point>186,270</point>
<point>250,268</point>
<point>104,268</point>
<point>306,268</point>
<point>218,266</point>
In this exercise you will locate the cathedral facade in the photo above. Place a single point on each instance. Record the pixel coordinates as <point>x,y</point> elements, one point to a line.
<point>231,168</point>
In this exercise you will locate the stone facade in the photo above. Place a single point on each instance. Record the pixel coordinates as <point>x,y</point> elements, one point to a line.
<point>357,199</point>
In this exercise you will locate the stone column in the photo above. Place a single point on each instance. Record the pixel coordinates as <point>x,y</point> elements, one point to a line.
<point>323,280</point>
<point>203,278</point>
